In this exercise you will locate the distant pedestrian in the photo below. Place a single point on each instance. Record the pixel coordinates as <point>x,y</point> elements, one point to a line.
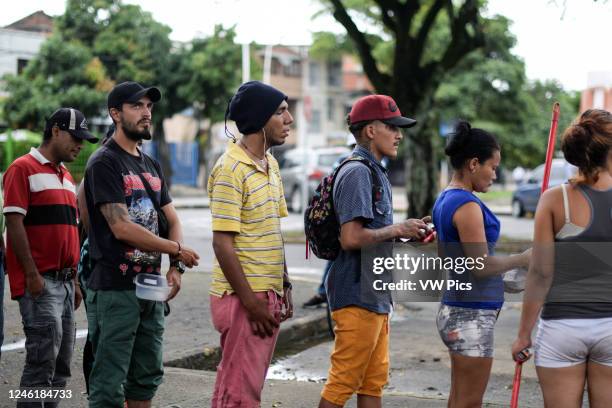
<point>360,360</point>
<point>124,187</point>
<point>43,248</point>
<point>468,229</point>
<point>250,294</point>
<point>570,278</point>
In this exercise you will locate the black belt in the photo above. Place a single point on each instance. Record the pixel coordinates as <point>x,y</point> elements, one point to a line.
<point>61,275</point>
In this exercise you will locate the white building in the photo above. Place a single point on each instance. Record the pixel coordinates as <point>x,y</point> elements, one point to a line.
<point>598,94</point>
<point>20,42</point>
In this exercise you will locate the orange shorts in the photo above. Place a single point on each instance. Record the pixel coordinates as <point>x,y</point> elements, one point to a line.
<point>360,360</point>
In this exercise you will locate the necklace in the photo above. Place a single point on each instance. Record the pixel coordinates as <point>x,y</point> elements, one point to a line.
<point>452,185</point>
<point>263,162</point>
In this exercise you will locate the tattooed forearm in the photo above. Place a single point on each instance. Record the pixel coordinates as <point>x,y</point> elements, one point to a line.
<point>115,213</point>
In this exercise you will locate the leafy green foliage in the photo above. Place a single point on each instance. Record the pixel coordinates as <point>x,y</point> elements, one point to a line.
<point>489,88</point>
<point>133,46</point>
<point>328,46</point>
<point>65,73</point>
<point>442,60</point>
<point>99,43</point>
<point>209,71</point>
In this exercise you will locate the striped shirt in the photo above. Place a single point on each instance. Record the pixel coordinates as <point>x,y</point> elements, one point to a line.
<point>45,194</point>
<point>247,201</point>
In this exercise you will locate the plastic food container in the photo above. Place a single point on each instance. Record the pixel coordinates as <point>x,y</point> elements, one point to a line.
<point>151,287</point>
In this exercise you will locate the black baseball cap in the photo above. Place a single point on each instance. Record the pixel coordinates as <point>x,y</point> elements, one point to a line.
<point>130,92</point>
<point>72,121</point>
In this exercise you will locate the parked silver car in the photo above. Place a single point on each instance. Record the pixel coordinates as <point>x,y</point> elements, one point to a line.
<point>526,196</point>
<point>298,166</point>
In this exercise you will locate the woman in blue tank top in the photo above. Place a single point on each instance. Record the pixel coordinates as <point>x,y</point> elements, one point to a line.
<point>468,232</point>
<point>570,278</point>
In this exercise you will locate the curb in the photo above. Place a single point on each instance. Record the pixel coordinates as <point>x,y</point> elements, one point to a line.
<point>291,335</point>
<point>190,206</point>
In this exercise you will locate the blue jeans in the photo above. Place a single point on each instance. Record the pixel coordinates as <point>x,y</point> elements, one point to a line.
<point>321,290</point>
<point>49,326</point>
<point>1,303</point>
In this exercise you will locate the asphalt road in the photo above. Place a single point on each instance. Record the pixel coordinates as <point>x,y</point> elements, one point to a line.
<point>419,368</point>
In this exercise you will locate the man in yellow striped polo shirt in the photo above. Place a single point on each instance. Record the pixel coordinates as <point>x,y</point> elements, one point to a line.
<point>250,293</point>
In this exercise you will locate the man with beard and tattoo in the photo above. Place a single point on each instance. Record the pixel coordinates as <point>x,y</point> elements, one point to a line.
<point>250,294</point>
<point>125,331</point>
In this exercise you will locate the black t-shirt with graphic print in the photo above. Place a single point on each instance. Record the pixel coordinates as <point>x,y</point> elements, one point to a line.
<point>112,176</point>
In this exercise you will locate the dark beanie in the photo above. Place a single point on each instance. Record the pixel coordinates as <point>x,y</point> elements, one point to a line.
<point>253,104</point>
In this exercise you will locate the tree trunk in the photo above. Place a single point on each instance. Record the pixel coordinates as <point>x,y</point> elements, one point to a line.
<point>420,161</point>
<point>421,168</point>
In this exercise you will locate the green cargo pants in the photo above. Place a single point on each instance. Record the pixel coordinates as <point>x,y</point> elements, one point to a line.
<point>126,334</point>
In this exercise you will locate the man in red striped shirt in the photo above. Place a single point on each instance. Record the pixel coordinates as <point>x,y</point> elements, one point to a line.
<point>43,248</point>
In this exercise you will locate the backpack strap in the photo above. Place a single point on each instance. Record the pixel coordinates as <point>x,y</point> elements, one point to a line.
<point>565,204</point>
<point>376,183</point>
<point>150,193</point>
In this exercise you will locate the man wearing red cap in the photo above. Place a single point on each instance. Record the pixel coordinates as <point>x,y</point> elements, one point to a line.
<point>363,204</point>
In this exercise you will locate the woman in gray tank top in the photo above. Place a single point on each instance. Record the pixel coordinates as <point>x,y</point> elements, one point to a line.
<point>570,276</point>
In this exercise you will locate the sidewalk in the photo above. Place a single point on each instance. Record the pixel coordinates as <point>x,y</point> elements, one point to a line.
<point>188,197</point>
<point>189,335</point>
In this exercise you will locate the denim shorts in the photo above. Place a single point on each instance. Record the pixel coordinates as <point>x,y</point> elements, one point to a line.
<point>468,332</point>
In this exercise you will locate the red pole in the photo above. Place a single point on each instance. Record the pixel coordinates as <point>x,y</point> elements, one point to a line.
<point>550,150</point>
<point>516,384</point>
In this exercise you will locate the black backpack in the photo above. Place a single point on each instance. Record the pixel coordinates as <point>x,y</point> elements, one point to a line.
<point>321,225</point>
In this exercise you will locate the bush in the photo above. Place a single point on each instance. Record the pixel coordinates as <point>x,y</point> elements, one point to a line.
<point>77,168</point>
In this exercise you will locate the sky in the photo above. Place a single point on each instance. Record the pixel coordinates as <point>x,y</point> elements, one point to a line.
<point>557,39</point>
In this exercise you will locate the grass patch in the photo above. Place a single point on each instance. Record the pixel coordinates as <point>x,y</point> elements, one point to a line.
<point>294,237</point>
<point>500,195</point>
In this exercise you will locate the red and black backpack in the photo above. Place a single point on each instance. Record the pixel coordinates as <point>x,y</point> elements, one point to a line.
<point>320,221</point>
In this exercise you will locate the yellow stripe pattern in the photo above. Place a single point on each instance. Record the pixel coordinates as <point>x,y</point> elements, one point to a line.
<point>247,201</point>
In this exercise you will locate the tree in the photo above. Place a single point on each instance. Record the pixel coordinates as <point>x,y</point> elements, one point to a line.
<point>96,44</point>
<point>64,73</point>
<point>441,60</point>
<point>428,40</point>
<point>534,121</point>
<point>209,68</point>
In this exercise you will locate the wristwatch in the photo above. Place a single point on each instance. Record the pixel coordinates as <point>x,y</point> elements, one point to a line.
<point>179,265</point>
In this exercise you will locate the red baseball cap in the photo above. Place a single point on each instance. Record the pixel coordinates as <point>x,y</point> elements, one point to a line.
<point>379,107</point>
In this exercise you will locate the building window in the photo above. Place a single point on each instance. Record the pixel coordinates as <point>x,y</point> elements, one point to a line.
<point>294,69</point>
<point>334,73</point>
<point>314,125</point>
<point>21,64</point>
<point>331,110</point>
<point>276,67</point>
<point>313,74</point>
